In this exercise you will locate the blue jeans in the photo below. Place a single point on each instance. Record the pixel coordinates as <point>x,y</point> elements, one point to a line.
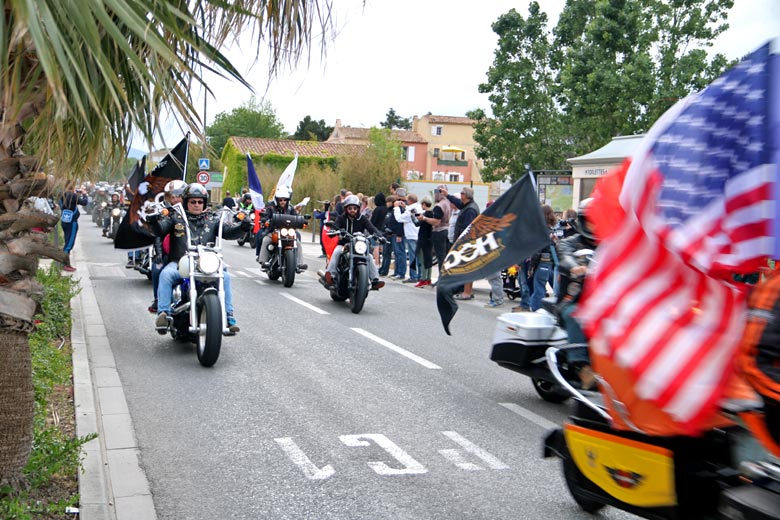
<point>156,270</point>
<point>69,230</point>
<point>399,251</point>
<point>573,329</point>
<point>411,253</point>
<point>541,277</point>
<point>170,275</point>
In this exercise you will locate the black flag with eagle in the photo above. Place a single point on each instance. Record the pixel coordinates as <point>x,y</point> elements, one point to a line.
<point>511,229</point>
<point>171,168</point>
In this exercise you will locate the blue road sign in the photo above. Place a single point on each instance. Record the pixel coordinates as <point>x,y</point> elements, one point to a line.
<point>204,163</point>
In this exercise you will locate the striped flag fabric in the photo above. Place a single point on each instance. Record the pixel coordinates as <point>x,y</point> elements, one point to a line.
<point>696,203</point>
<point>255,189</point>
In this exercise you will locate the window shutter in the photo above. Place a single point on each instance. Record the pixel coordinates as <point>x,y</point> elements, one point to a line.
<point>410,154</point>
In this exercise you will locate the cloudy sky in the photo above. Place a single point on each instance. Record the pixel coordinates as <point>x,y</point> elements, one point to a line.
<point>416,57</point>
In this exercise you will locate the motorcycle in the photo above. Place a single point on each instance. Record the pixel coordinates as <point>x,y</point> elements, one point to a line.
<point>99,213</point>
<point>112,221</point>
<point>521,339</point>
<point>144,261</point>
<point>284,247</point>
<point>249,235</point>
<point>198,309</point>
<point>662,477</point>
<point>351,281</point>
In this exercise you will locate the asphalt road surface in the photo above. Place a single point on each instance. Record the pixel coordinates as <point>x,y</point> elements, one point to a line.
<point>314,412</point>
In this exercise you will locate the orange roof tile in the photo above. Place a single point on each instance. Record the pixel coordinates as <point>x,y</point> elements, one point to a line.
<point>452,120</point>
<point>261,146</point>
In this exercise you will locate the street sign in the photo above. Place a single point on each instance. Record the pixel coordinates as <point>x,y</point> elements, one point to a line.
<point>204,177</point>
<point>204,164</point>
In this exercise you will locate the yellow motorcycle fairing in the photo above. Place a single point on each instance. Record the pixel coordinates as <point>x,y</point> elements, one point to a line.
<point>633,472</point>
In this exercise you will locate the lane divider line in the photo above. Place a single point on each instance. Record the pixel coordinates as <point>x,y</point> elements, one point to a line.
<point>305,304</point>
<point>397,349</point>
<point>241,273</point>
<point>531,416</point>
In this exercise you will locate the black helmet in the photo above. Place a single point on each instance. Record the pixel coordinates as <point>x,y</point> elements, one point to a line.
<point>582,219</point>
<point>247,197</point>
<point>195,191</point>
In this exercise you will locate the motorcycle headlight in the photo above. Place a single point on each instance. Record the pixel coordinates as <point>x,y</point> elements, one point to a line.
<point>208,262</point>
<point>115,212</point>
<point>361,248</point>
<point>103,204</point>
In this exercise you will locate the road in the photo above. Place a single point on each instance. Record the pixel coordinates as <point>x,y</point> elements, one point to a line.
<point>314,412</point>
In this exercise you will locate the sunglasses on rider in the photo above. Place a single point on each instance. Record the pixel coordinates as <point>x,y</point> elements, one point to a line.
<point>195,201</point>
<point>283,200</point>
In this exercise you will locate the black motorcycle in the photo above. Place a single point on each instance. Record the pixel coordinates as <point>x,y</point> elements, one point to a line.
<point>112,221</point>
<point>198,310</point>
<point>351,281</point>
<point>249,235</point>
<point>284,247</point>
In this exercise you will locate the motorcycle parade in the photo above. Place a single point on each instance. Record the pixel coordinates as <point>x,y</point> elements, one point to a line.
<point>564,307</point>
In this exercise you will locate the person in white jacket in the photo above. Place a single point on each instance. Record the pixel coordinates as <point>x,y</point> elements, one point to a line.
<point>405,213</point>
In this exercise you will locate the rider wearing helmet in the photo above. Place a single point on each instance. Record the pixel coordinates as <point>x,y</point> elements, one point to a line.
<point>281,205</point>
<point>245,204</point>
<point>572,270</point>
<point>204,226</point>
<point>352,222</point>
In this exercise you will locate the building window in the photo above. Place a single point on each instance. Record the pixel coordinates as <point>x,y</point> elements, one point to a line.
<point>436,130</point>
<point>408,153</point>
<point>437,176</point>
<point>455,177</point>
<point>435,152</point>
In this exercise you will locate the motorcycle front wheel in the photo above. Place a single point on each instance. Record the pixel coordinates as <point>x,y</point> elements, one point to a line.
<point>209,340</point>
<point>357,296</point>
<point>288,269</point>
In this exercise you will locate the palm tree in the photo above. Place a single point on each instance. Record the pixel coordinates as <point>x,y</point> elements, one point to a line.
<point>77,77</point>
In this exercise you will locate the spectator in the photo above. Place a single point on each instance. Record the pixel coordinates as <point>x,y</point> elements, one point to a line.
<point>468,210</point>
<point>440,222</point>
<point>228,201</point>
<point>378,217</point>
<point>406,216</point>
<point>542,262</point>
<point>69,219</point>
<point>399,240</point>
<point>424,242</point>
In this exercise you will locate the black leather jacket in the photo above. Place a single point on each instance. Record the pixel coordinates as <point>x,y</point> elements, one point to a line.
<point>567,261</point>
<point>352,226</point>
<point>203,228</point>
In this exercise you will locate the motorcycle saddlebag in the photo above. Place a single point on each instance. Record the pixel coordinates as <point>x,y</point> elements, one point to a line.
<point>520,338</point>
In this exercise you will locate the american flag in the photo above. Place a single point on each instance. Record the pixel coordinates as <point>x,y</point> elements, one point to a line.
<point>697,203</point>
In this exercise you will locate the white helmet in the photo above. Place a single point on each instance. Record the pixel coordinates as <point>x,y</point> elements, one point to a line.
<point>175,187</point>
<point>352,200</point>
<point>282,192</point>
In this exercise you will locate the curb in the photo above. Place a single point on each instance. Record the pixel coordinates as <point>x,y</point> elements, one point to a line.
<point>112,485</point>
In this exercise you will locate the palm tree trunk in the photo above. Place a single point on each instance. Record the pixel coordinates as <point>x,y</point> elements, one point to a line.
<point>16,406</point>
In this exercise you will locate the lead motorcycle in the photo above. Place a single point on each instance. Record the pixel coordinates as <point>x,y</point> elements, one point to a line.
<point>351,281</point>
<point>723,474</point>
<point>521,340</point>
<point>198,309</point>
<point>283,248</point>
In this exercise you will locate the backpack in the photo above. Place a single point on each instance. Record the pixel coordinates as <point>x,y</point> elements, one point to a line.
<point>67,216</point>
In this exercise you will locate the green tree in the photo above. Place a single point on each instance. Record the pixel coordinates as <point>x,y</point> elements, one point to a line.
<point>526,124</point>
<point>377,168</point>
<point>73,90</point>
<point>311,130</point>
<point>393,120</point>
<point>252,119</point>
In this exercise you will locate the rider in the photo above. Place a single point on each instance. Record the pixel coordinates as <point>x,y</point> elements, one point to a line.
<point>204,227</point>
<point>352,222</point>
<point>173,192</point>
<point>281,205</point>
<point>115,202</point>
<point>572,272</point>
<point>245,204</point>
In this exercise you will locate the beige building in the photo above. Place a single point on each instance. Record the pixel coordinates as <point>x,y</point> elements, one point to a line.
<point>588,168</point>
<point>451,146</point>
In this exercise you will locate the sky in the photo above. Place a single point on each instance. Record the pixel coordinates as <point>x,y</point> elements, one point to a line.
<point>414,56</point>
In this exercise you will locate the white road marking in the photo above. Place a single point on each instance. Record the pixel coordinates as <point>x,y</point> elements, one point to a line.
<point>305,304</point>
<point>528,414</point>
<point>397,349</point>
<point>242,273</point>
<point>456,458</point>
<point>490,460</point>
<point>300,459</point>
<point>411,466</point>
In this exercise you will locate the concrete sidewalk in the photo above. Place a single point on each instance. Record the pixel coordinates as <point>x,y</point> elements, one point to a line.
<point>112,484</point>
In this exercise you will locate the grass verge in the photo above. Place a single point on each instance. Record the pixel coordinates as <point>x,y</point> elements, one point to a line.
<point>52,470</point>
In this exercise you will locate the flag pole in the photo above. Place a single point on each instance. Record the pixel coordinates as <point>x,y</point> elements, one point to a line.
<point>186,157</point>
<point>773,109</point>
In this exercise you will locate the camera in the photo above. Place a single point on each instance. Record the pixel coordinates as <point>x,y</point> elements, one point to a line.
<point>567,222</point>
